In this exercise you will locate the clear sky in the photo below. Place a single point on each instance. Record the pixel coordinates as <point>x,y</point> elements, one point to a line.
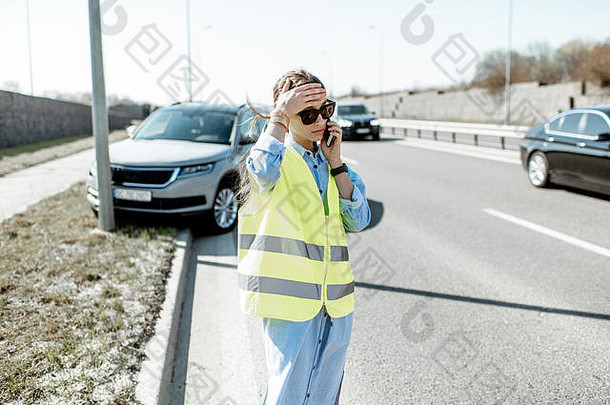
<point>244,46</point>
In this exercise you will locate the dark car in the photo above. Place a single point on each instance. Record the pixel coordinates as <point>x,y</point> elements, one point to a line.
<point>571,148</point>
<point>356,121</point>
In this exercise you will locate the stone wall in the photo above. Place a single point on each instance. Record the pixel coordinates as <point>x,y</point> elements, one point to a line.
<point>25,119</point>
<point>531,103</point>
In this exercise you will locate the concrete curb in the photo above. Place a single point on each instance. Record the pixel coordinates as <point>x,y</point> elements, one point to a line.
<point>154,376</point>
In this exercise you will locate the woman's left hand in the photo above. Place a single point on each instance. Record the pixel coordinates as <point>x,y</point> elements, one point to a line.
<point>333,154</point>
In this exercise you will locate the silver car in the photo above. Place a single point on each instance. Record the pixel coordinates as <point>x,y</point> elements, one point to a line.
<point>181,160</point>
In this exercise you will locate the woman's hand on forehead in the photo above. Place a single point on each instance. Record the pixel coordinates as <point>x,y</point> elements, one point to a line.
<point>311,89</point>
<point>313,92</point>
<point>301,97</point>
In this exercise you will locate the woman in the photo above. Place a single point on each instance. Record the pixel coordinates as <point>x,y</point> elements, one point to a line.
<point>299,199</point>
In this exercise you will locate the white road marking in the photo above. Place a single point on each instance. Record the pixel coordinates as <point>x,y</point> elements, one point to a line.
<point>351,161</point>
<point>549,232</point>
<point>499,155</point>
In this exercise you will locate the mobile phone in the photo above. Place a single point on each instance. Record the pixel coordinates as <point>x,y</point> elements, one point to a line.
<point>328,137</point>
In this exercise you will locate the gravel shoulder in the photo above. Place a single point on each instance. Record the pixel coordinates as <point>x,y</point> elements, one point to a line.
<point>77,305</point>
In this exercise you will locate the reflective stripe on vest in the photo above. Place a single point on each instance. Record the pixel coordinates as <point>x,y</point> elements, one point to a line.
<point>280,286</point>
<point>338,254</point>
<point>300,289</point>
<point>277,244</point>
<point>336,291</point>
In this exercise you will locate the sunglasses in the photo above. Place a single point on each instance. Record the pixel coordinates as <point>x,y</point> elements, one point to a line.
<point>310,115</point>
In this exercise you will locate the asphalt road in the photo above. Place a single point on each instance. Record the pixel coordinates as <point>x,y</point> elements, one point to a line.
<point>473,287</point>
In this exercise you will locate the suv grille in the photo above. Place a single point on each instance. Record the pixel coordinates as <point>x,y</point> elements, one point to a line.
<point>122,175</point>
<point>364,124</point>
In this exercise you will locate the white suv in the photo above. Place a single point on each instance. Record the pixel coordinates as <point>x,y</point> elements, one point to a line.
<point>181,160</point>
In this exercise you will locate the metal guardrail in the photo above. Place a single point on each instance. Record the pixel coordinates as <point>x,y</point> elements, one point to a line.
<point>500,133</point>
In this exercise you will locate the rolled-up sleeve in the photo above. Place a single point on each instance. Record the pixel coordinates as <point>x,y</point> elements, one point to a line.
<point>264,161</point>
<point>356,212</point>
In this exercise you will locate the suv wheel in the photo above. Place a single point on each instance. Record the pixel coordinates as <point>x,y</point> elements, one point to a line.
<point>538,169</point>
<point>224,212</point>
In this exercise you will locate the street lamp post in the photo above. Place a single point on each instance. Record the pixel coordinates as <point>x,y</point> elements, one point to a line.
<point>378,28</point>
<point>507,94</point>
<point>188,48</point>
<point>27,8</point>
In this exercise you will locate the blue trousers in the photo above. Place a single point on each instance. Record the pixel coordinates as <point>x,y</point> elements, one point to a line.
<point>306,360</point>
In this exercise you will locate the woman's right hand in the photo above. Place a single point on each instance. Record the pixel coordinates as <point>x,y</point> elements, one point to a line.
<point>301,97</point>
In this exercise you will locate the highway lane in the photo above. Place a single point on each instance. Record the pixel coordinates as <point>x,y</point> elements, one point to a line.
<point>432,236</point>
<point>453,305</point>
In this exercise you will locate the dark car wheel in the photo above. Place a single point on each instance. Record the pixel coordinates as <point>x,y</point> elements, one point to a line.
<point>376,137</point>
<point>223,215</point>
<point>538,169</point>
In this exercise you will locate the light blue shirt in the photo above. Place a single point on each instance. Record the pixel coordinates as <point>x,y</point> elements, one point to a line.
<point>264,162</point>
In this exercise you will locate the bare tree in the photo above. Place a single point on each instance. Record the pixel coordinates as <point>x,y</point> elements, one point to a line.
<point>490,70</point>
<point>597,65</point>
<point>541,57</point>
<point>574,60</point>
<point>570,58</point>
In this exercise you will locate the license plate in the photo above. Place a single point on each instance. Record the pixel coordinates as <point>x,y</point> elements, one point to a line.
<point>362,130</point>
<point>132,195</point>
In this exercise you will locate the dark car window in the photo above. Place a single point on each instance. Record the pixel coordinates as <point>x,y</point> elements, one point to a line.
<point>571,124</point>
<point>194,126</point>
<point>555,125</point>
<point>596,125</point>
<point>352,110</point>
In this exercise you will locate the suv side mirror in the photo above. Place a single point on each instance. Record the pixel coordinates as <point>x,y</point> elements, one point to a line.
<point>131,130</point>
<point>246,140</point>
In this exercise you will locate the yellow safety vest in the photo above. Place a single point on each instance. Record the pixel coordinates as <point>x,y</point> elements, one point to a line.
<point>293,255</point>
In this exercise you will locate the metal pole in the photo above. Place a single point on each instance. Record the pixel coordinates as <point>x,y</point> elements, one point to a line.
<point>27,7</point>
<point>378,28</point>
<point>380,73</point>
<point>100,120</point>
<point>508,57</point>
<point>188,46</point>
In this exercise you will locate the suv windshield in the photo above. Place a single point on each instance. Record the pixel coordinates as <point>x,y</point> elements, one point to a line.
<point>352,110</point>
<point>194,126</point>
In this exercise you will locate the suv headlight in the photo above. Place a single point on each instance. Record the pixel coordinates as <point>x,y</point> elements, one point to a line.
<point>375,122</point>
<point>345,123</point>
<point>199,169</point>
